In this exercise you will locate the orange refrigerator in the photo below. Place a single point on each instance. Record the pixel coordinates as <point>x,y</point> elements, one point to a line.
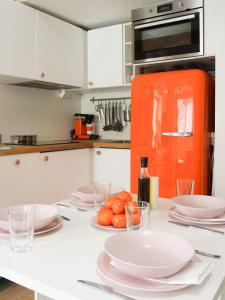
<point>171,123</point>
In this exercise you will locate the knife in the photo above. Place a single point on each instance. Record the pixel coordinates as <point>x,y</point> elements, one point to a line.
<point>104,287</point>
<point>195,226</point>
<point>207,254</point>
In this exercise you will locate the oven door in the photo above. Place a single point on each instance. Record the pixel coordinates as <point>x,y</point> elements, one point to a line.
<point>168,38</point>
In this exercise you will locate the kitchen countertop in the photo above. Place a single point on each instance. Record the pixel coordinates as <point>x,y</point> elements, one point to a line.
<point>80,144</point>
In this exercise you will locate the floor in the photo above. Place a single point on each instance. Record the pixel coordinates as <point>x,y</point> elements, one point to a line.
<point>16,292</point>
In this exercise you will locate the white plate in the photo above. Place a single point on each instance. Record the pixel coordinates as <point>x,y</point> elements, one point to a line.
<point>55,224</point>
<point>127,284</point>
<point>81,204</point>
<point>189,220</point>
<point>107,228</point>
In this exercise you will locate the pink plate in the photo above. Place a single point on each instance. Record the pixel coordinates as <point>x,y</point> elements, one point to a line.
<point>214,221</point>
<point>44,215</point>
<point>105,228</point>
<point>200,206</point>
<point>149,254</point>
<point>81,204</point>
<point>55,224</point>
<point>127,284</point>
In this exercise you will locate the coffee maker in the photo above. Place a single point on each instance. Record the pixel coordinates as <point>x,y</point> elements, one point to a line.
<point>83,127</point>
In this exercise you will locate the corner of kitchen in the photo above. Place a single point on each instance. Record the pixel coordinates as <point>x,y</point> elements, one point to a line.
<point>112,150</point>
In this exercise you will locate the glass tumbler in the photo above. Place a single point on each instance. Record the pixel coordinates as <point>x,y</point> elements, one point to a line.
<point>21,227</point>
<point>102,191</point>
<point>185,187</point>
<point>137,215</point>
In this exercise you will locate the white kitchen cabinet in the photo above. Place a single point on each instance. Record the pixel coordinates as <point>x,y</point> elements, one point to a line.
<point>62,172</point>
<point>61,51</point>
<point>18,179</point>
<point>18,41</point>
<point>105,57</point>
<point>112,165</point>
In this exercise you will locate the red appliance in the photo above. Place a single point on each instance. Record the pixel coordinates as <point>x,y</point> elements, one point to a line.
<point>172,117</point>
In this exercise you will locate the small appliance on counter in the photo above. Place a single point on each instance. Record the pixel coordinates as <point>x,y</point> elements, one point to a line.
<point>83,127</point>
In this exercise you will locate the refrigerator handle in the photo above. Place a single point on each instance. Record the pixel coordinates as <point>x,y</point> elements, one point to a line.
<point>177,134</point>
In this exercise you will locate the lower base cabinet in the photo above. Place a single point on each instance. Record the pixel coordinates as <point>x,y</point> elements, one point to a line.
<point>61,173</point>
<point>19,179</point>
<point>112,165</point>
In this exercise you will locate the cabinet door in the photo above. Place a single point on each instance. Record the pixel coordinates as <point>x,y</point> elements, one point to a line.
<point>61,173</point>
<point>18,179</point>
<point>17,30</point>
<point>105,57</point>
<point>112,165</point>
<point>61,51</point>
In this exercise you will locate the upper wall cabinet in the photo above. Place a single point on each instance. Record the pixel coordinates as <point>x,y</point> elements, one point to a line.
<point>105,57</point>
<point>17,50</point>
<point>61,51</point>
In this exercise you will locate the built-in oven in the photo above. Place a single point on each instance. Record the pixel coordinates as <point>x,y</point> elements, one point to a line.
<point>168,30</point>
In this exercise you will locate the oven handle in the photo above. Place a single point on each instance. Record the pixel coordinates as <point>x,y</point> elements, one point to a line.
<point>189,17</point>
<point>177,133</point>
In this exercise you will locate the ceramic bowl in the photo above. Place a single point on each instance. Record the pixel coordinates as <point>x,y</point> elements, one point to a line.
<point>43,216</point>
<point>199,206</point>
<point>148,254</point>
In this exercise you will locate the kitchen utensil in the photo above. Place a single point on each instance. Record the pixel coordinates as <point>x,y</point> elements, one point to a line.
<point>195,226</point>
<point>135,286</point>
<point>104,287</point>
<point>116,124</point>
<point>131,253</point>
<point>207,254</point>
<point>123,114</point>
<point>65,218</point>
<point>199,206</point>
<point>110,116</point>
<point>105,128</point>
<point>129,113</point>
<point>120,117</point>
<point>126,113</point>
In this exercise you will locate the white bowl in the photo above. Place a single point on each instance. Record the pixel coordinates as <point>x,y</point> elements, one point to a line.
<point>86,193</point>
<point>149,254</point>
<point>43,216</point>
<point>199,206</point>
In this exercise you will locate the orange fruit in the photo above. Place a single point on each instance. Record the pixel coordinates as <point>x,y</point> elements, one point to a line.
<point>124,195</point>
<point>136,218</point>
<point>119,221</point>
<point>109,202</point>
<point>118,206</point>
<point>104,217</point>
<point>133,206</point>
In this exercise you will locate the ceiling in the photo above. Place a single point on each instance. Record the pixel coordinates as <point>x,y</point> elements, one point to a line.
<point>89,14</point>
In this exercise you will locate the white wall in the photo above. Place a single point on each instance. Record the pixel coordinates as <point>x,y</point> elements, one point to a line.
<point>215,45</point>
<point>88,107</point>
<point>36,111</point>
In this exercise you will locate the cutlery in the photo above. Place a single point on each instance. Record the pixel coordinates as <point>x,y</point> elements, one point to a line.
<point>104,287</point>
<point>65,218</point>
<point>195,226</point>
<point>207,254</point>
<point>64,205</point>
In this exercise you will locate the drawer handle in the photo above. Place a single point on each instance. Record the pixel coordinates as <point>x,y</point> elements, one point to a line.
<point>178,134</point>
<point>17,162</point>
<point>42,75</point>
<point>90,83</point>
<point>46,158</point>
<point>98,152</point>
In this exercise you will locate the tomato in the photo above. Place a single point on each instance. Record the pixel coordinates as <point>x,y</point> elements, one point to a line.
<point>118,206</point>
<point>133,206</point>
<point>124,195</point>
<point>119,221</point>
<point>104,217</point>
<point>136,218</point>
<point>109,202</point>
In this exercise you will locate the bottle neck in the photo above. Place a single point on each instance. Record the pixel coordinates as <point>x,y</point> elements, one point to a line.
<point>144,172</point>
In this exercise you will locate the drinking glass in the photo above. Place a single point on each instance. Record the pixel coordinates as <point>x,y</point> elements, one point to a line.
<point>185,187</point>
<point>102,190</point>
<point>21,227</point>
<point>137,215</point>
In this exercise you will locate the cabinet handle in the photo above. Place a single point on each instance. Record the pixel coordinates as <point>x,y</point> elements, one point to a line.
<point>98,152</point>
<point>46,158</point>
<point>90,83</point>
<point>42,75</point>
<point>17,162</point>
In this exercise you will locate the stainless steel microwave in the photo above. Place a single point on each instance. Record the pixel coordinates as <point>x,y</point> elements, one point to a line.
<point>168,30</point>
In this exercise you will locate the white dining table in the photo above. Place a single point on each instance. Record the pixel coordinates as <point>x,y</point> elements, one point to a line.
<point>60,258</point>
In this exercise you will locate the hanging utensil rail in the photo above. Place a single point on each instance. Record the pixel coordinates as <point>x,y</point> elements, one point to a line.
<point>93,99</point>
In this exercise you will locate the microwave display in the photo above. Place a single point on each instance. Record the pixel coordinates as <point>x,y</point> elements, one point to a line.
<point>168,37</point>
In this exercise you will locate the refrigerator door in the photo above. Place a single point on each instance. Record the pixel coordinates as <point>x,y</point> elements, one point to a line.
<point>170,125</point>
